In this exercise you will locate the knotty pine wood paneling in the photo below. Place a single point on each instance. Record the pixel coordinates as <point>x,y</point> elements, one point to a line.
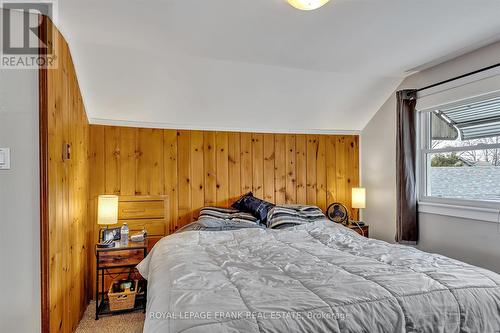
<point>66,233</point>
<point>279,169</point>
<point>199,168</point>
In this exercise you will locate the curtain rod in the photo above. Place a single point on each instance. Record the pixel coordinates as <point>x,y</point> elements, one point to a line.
<point>459,77</point>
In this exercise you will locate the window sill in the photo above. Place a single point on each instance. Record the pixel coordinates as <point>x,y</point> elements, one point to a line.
<point>486,214</point>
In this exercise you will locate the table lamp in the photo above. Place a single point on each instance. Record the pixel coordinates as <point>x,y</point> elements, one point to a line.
<point>107,211</point>
<point>358,199</point>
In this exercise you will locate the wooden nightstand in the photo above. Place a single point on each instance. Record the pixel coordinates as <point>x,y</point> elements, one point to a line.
<point>363,231</point>
<point>113,262</point>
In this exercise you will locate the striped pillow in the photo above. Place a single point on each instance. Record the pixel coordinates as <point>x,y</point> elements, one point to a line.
<point>228,214</point>
<point>292,215</point>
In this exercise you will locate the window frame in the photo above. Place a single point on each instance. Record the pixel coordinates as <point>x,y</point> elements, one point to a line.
<point>482,210</point>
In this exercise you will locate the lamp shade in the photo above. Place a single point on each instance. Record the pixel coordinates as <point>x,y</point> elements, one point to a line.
<point>307,4</point>
<point>358,197</point>
<point>107,210</point>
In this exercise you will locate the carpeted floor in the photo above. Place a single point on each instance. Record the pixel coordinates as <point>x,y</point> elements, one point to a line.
<point>123,323</point>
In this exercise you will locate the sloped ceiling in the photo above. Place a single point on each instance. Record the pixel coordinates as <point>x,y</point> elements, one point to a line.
<point>260,64</point>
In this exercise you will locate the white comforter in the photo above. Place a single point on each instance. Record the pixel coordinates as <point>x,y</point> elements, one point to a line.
<point>319,277</point>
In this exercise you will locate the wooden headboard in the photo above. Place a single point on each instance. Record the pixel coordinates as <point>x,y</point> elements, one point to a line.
<point>201,168</point>
<point>148,213</point>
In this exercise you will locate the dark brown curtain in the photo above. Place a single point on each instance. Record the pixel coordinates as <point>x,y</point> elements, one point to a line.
<point>406,156</point>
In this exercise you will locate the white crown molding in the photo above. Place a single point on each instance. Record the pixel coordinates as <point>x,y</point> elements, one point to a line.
<point>140,124</point>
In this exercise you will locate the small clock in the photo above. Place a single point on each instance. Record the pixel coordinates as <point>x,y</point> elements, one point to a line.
<point>338,213</point>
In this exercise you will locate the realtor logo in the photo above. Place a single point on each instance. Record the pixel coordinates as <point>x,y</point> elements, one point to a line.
<point>23,38</point>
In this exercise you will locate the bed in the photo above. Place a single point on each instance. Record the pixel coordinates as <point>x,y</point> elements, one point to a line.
<point>314,277</point>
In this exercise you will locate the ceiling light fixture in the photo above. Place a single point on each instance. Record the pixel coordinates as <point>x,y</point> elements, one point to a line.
<point>307,4</point>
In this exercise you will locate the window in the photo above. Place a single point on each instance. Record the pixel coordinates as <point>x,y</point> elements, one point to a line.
<point>459,152</point>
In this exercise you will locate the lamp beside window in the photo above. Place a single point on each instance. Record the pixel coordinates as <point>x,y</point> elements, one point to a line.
<point>358,200</point>
<point>359,197</point>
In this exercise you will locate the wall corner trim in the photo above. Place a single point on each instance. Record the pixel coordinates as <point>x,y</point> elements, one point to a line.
<point>143,124</point>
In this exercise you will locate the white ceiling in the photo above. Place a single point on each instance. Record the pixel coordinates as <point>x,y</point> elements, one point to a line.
<point>260,64</point>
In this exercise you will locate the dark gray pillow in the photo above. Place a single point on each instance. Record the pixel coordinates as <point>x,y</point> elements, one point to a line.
<point>255,206</point>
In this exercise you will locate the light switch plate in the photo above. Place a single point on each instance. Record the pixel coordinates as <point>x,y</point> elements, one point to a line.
<point>4,158</point>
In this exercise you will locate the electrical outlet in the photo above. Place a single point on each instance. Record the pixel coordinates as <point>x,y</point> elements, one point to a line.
<point>66,152</point>
<point>4,158</point>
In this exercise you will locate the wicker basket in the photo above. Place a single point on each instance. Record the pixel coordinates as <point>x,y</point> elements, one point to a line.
<point>123,300</point>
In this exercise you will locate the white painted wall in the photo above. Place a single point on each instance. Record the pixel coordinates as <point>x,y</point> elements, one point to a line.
<point>19,203</point>
<point>260,65</point>
<point>475,242</point>
<point>378,171</point>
